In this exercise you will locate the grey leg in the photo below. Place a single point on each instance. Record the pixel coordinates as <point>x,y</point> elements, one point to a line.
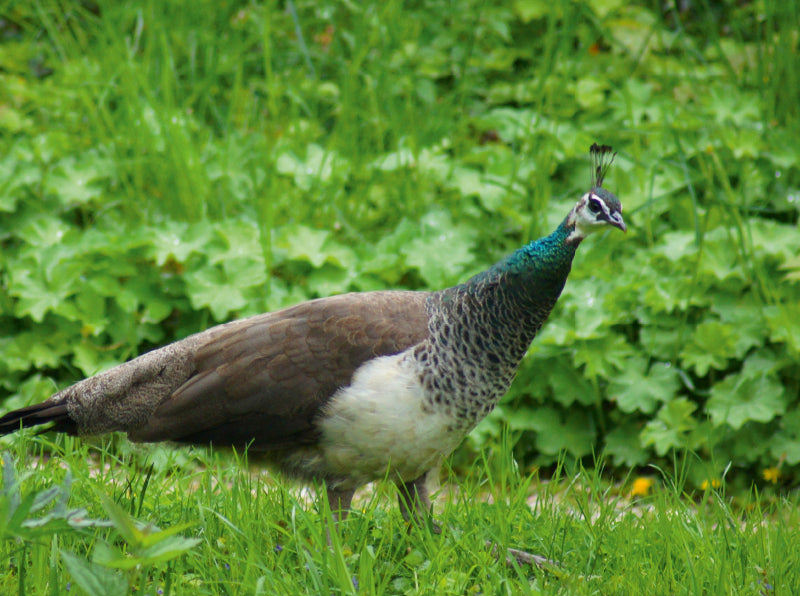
<point>415,506</point>
<point>339,501</point>
<point>415,501</point>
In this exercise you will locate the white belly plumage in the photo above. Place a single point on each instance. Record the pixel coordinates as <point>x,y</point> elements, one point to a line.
<point>380,426</point>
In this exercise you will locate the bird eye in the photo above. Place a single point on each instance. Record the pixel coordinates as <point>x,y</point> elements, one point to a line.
<point>594,206</point>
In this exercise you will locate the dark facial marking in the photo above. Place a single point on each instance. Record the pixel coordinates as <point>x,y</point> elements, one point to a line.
<point>595,206</point>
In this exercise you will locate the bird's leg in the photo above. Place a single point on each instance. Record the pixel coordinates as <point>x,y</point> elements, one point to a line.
<point>520,557</point>
<point>339,501</point>
<point>415,506</point>
<point>415,501</point>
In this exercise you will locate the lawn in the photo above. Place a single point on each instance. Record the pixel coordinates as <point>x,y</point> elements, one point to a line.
<point>117,519</point>
<point>166,166</point>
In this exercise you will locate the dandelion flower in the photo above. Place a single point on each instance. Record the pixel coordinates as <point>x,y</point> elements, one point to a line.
<point>771,475</point>
<point>641,487</point>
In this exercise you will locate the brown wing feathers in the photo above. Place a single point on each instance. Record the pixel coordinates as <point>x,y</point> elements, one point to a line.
<point>262,381</point>
<point>257,381</point>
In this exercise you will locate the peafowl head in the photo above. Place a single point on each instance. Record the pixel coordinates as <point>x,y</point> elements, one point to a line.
<point>598,207</point>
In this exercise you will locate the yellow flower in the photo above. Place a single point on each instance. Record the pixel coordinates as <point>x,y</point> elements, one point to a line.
<point>771,475</point>
<point>713,483</point>
<point>641,487</point>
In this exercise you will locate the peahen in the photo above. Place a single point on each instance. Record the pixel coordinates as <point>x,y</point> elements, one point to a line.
<point>347,389</point>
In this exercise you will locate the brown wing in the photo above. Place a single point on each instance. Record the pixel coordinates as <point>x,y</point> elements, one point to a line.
<point>261,381</point>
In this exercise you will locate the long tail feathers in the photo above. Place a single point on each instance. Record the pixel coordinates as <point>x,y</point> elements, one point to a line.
<point>39,414</point>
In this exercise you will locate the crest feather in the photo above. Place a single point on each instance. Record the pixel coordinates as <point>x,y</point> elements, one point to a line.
<point>602,158</point>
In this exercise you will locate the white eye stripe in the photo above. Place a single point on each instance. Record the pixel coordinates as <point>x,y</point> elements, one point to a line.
<point>597,205</point>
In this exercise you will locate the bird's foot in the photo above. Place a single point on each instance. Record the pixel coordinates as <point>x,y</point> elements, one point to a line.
<point>435,527</point>
<point>423,521</point>
<point>522,558</point>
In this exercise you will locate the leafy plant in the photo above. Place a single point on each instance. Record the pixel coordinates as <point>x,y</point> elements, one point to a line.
<point>32,517</point>
<point>17,509</point>
<point>164,171</point>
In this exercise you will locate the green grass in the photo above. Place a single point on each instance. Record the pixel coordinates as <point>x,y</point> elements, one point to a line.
<point>166,166</point>
<point>241,531</point>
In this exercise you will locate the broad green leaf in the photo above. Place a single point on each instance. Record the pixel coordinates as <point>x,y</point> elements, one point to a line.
<point>442,251</point>
<point>677,245</point>
<point>329,280</point>
<point>792,266</point>
<point>95,579</point>
<point>643,388</point>
<point>46,287</point>
<point>747,445</point>
<point>574,433</point>
<point>729,105</point>
<point>123,523</point>
<point>318,165</point>
<point>633,29</point>
<point>91,309</point>
<point>34,389</point>
<point>384,258</point>
<point>783,321</point>
<point>210,287</point>
<point>785,445</point>
<point>245,272</point>
<point>711,345</point>
<point>665,294</point>
<point>178,241</point>
<point>396,160</point>
<point>624,445</point>
<point>510,123</point>
<point>746,315</point>
<point>590,91</point>
<point>671,427</point>
<point>91,359</point>
<point>435,163</point>
<point>591,316</point>
<point>11,494</point>
<point>316,247</point>
<point>19,173</point>
<point>634,101</point>
<point>302,243</point>
<point>762,362</point>
<point>242,240</point>
<point>76,180</point>
<point>471,182</point>
<point>567,384</point>
<point>147,544</point>
<point>42,348</point>
<point>166,548</point>
<point>602,357</point>
<point>527,10</point>
<point>660,342</point>
<point>719,256</point>
<point>740,398</point>
<point>45,230</point>
<point>14,121</point>
<point>162,546</point>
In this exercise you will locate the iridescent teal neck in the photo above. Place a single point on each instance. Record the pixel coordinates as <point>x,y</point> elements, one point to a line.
<point>542,262</point>
<point>503,308</point>
<point>543,257</point>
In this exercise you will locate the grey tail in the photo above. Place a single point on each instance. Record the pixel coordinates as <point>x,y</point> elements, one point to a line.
<point>38,414</point>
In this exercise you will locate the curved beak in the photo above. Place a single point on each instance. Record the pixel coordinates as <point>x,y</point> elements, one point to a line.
<point>615,220</point>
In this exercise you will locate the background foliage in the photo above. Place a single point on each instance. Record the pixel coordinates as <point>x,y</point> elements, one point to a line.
<point>165,166</point>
